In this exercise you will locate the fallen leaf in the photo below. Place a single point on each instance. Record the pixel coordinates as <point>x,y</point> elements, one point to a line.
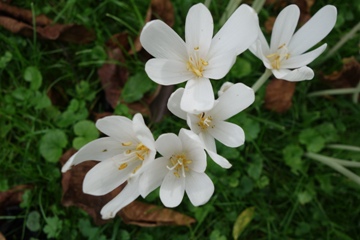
<point>347,77</point>
<point>148,215</point>
<point>12,197</point>
<point>2,236</point>
<point>158,107</point>
<point>18,20</point>
<point>278,95</point>
<point>242,221</point>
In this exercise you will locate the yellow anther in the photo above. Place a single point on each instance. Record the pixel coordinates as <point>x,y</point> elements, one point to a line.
<point>122,166</point>
<point>196,48</point>
<point>137,168</point>
<point>128,151</point>
<point>204,122</point>
<point>126,144</point>
<point>281,46</point>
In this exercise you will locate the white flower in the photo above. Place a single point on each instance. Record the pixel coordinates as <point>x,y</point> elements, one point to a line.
<point>225,86</point>
<point>123,156</point>
<point>201,57</point>
<point>211,125</point>
<point>179,170</point>
<point>286,56</point>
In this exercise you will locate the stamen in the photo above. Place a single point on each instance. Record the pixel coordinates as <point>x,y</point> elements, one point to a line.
<point>277,57</point>
<point>180,163</point>
<point>122,166</point>
<point>196,64</point>
<point>126,144</point>
<point>204,122</point>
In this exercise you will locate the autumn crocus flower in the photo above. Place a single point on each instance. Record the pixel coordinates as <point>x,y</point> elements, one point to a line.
<point>201,56</point>
<point>287,57</point>
<point>179,170</point>
<point>212,124</point>
<point>123,155</point>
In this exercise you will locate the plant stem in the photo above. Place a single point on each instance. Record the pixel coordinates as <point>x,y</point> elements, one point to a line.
<point>207,3</point>
<point>257,5</point>
<point>262,80</point>
<point>334,92</point>
<point>356,94</point>
<point>334,165</point>
<point>344,147</point>
<point>230,8</point>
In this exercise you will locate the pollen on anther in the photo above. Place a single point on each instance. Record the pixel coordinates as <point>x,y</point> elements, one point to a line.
<point>122,166</point>
<point>126,144</point>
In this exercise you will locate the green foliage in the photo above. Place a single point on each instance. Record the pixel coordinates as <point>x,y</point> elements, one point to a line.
<point>53,227</point>
<point>52,144</point>
<point>292,155</point>
<point>136,86</point>
<point>33,221</point>
<point>86,132</point>
<point>33,75</point>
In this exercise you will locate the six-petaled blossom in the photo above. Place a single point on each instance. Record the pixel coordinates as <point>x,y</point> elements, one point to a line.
<point>200,57</point>
<point>123,155</point>
<point>179,170</point>
<point>286,56</point>
<point>211,125</point>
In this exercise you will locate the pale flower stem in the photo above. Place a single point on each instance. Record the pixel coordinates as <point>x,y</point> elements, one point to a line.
<point>257,5</point>
<point>261,80</point>
<point>356,94</point>
<point>334,92</point>
<point>341,42</point>
<point>334,165</point>
<point>230,8</point>
<point>207,3</point>
<point>344,147</point>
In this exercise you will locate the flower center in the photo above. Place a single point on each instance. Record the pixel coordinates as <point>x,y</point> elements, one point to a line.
<point>277,57</point>
<point>196,64</point>
<point>179,164</point>
<point>134,154</point>
<point>204,121</point>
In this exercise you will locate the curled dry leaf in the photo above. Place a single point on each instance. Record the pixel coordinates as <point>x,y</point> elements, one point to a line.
<point>19,21</point>
<point>347,77</point>
<point>148,215</point>
<point>12,197</point>
<point>278,95</point>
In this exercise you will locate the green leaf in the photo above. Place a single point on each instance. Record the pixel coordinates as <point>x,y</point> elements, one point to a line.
<point>52,144</point>
<point>243,221</point>
<point>250,127</point>
<point>33,75</point>
<point>292,155</point>
<point>83,91</point>
<point>53,227</point>
<point>255,168</point>
<point>328,132</point>
<point>75,112</point>
<point>4,185</point>
<point>135,87</point>
<point>241,68</point>
<point>304,197</point>
<point>5,59</point>
<point>40,100</point>
<point>86,132</point>
<point>33,221</point>
<point>312,140</point>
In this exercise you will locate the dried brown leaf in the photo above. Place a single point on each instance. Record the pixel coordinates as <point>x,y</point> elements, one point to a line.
<point>2,236</point>
<point>347,77</point>
<point>148,215</point>
<point>278,95</point>
<point>12,197</point>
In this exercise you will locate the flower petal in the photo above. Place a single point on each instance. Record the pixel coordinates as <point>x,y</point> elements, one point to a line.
<point>163,42</point>
<point>218,159</point>
<point>199,29</point>
<point>260,47</point>
<point>234,100</point>
<point>124,198</point>
<point>199,188</point>
<point>198,96</point>
<point>314,30</point>
<point>284,27</point>
<point>228,134</point>
<point>303,59</point>
<point>208,141</point>
<point>237,34</point>
<point>117,127</point>
<point>167,72</point>
<point>174,103</point>
<point>172,190</point>
<point>192,121</point>
<point>105,176</point>
<point>220,65</point>
<point>167,144</point>
<point>153,176</point>
<point>142,132</point>
<point>299,74</point>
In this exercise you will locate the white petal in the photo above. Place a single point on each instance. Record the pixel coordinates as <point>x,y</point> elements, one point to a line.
<point>234,100</point>
<point>220,65</point>
<point>284,27</point>
<point>237,34</point>
<point>105,176</point>
<point>99,149</point>
<point>69,163</point>
<point>174,103</point>
<point>167,144</point>
<point>192,121</point>
<point>199,29</point>
<point>218,159</point>
<point>208,141</point>
<point>124,198</point>
<point>303,59</point>
<point>172,190</point>
<point>314,30</point>
<point>167,72</point>
<point>198,96</point>
<point>299,74</point>
<point>260,47</point>
<point>117,127</point>
<point>162,42</point>
<point>153,176</point>
<point>199,188</point>
<point>228,134</point>
<point>142,132</point>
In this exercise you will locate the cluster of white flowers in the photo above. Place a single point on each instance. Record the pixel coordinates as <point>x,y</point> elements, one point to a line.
<point>128,153</point>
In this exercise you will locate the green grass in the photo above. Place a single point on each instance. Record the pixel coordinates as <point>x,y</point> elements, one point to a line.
<point>294,198</point>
